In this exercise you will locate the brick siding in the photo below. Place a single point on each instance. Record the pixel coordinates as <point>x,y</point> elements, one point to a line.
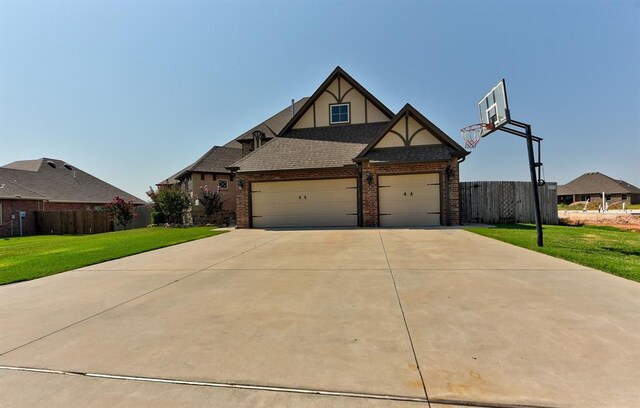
<point>450,214</point>
<point>10,207</point>
<point>31,206</point>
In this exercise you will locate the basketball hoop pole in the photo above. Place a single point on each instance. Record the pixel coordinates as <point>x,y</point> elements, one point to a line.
<point>494,111</point>
<point>532,169</point>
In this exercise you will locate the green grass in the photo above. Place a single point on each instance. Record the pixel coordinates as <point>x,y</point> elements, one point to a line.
<point>608,249</point>
<point>33,257</point>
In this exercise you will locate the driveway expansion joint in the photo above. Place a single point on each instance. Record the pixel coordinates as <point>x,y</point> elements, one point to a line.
<point>271,388</point>
<point>215,384</point>
<point>136,297</point>
<point>404,319</point>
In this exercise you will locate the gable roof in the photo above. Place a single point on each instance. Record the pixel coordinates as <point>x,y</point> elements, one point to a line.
<point>596,183</point>
<point>337,72</point>
<point>57,181</point>
<point>311,148</point>
<point>454,147</point>
<point>215,160</point>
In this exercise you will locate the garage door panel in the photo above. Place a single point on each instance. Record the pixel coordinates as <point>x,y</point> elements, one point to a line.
<point>319,220</point>
<point>409,200</point>
<point>303,185</point>
<point>307,203</point>
<point>306,208</point>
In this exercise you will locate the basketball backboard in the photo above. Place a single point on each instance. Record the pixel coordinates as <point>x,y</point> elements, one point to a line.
<point>494,107</point>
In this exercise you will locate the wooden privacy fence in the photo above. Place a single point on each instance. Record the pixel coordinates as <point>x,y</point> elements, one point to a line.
<point>141,220</point>
<point>506,202</point>
<point>86,222</point>
<point>72,222</point>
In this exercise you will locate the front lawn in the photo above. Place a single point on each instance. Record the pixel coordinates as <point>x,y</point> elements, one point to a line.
<point>33,257</point>
<point>608,249</point>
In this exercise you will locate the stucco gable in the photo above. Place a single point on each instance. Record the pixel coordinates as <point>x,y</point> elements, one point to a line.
<point>409,128</point>
<point>339,87</point>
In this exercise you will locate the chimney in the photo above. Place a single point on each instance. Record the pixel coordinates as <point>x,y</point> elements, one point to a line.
<point>293,108</point>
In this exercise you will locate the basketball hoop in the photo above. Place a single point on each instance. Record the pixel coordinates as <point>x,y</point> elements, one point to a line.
<point>471,134</point>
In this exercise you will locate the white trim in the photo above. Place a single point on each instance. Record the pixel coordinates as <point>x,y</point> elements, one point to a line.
<point>486,116</point>
<point>332,105</point>
<point>226,188</point>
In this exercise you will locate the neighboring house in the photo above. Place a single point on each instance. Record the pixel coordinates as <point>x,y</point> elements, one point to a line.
<point>48,184</point>
<point>345,159</point>
<point>211,168</point>
<point>590,186</point>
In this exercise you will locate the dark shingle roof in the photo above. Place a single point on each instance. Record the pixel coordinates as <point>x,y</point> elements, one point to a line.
<point>61,182</point>
<point>11,190</point>
<point>595,183</point>
<point>219,158</point>
<point>310,148</point>
<point>215,160</point>
<point>413,154</point>
<point>171,179</point>
<point>272,126</point>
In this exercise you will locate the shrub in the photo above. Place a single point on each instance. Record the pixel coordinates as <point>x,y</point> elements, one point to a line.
<point>158,217</point>
<point>171,202</point>
<point>120,211</point>
<point>212,201</point>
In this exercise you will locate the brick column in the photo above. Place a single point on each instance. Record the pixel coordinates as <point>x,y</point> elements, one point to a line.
<point>454,192</point>
<point>243,212</point>
<point>369,196</point>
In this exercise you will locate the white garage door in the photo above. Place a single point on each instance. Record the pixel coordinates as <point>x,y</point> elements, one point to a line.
<point>411,200</point>
<point>309,203</point>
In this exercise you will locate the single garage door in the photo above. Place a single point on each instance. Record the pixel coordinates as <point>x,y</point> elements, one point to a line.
<point>411,200</point>
<point>308,203</point>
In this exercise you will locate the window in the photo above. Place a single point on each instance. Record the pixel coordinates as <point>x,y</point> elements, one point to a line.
<point>1,215</point>
<point>223,184</point>
<point>339,113</point>
<point>202,176</point>
<point>623,198</point>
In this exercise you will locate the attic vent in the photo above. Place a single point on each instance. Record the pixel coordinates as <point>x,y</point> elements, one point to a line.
<point>68,166</point>
<point>52,164</point>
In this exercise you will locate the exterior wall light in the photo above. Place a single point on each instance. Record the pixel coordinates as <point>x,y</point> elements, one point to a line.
<point>370,178</point>
<point>240,184</point>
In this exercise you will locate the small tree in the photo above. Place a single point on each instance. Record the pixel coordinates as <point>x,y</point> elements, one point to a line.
<point>171,201</point>
<point>212,201</point>
<point>157,216</point>
<point>121,211</point>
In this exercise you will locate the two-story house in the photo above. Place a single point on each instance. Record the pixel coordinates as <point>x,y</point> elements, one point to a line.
<point>344,159</point>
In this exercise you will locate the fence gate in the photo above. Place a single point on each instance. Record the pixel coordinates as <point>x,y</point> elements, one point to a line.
<point>506,202</point>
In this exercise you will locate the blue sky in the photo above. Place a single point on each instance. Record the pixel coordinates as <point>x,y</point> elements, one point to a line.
<point>132,91</point>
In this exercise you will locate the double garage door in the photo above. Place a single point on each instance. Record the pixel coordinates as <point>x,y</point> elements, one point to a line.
<point>404,201</point>
<point>308,203</point>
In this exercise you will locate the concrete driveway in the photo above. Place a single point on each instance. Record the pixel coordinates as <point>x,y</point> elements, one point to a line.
<point>360,317</point>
